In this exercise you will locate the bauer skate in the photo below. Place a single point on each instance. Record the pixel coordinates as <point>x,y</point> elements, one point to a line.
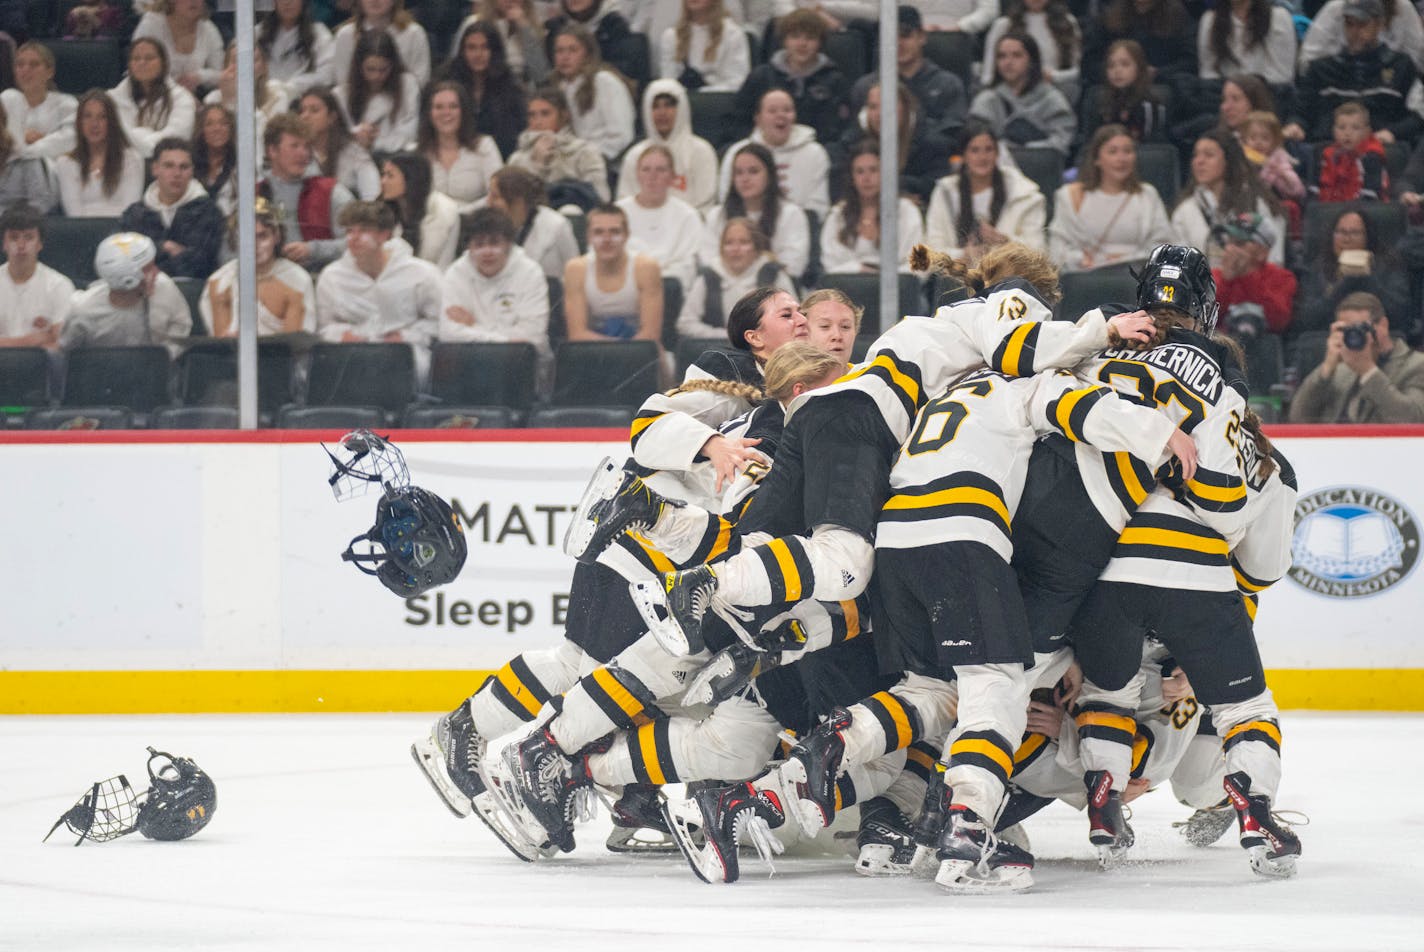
<point>1205,827</point>
<point>813,766</point>
<point>450,759</point>
<point>1108,829</point>
<point>884,840</point>
<point>934,816</point>
<point>1271,845</point>
<point>673,606</point>
<point>615,501</point>
<point>973,861</point>
<point>549,783</point>
<point>710,824</point>
<point>638,822</point>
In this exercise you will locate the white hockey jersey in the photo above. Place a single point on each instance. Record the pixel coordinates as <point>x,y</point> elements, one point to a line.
<point>960,475</point>
<point>1011,331</point>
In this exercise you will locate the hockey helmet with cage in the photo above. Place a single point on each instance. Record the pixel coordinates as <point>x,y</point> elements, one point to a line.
<point>416,544</point>
<point>1179,277</point>
<point>181,798</point>
<point>120,260</point>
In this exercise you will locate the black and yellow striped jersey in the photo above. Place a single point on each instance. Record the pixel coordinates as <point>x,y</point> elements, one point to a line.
<point>960,474</point>
<point>1010,331</point>
<point>1261,549</point>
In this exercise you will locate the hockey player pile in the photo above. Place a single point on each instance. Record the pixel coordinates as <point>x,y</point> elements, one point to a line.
<point>1003,561</point>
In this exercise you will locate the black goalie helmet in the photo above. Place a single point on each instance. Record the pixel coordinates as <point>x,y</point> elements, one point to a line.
<point>181,798</point>
<point>1179,277</point>
<point>416,544</point>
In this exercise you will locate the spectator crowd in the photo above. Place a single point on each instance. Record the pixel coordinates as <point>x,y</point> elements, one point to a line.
<point>623,170</point>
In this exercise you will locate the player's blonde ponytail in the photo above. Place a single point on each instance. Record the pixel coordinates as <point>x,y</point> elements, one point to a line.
<point>1009,260</point>
<point>798,362</point>
<point>727,388</point>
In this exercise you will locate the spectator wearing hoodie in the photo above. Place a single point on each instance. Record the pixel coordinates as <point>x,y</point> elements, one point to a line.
<point>553,151</point>
<point>600,107</point>
<point>378,290</point>
<point>818,88</point>
<point>380,97</point>
<point>706,50</point>
<point>1023,107</point>
<point>802,165</point>
<point>667,117</point>
<point>1352,166</point>
<point>392,18</point>
<point>151,105</point>
<point>1059,40</point>
<point>850,235</point>
<point>756,194</point>
<point>743,263</point>
<point>940,94</point>
<point>661,225</point>
<point>494,292</point>
<point>40,118</point>
<point>544,234</point>
<point>176,213</point>
<point>984,204</point>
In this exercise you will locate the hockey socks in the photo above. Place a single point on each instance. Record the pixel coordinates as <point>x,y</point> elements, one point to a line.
<point>832,565</point>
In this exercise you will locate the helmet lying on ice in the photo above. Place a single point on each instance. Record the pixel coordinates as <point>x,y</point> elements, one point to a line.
<point>416,544</point>
<point>179,801</point>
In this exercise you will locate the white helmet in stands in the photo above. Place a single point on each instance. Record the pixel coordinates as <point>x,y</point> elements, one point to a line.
<point>121,259</point>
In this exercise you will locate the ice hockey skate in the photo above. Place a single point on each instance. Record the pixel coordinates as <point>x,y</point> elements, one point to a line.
<point>450,759</point>
<point>1108,830</point>
<point>710,825</point>
<point>549,785</point>
<point>884,841</point>
<point>1205,827</point>
<point>1271,845</point>
<point>813,766</point>
<point>973,861</point>
<point>638,823</point>
<point>616,501</point>
<point>926,830</point>
<point>673,607</point>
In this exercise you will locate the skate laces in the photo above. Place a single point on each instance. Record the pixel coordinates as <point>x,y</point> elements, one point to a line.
<point>750,824</point>
<point>729,613</point>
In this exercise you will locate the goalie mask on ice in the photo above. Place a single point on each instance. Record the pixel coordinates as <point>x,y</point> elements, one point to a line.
<point>417,542</point>
<point>179,802</point>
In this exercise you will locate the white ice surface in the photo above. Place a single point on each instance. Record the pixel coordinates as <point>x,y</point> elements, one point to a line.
<point>328,837</point>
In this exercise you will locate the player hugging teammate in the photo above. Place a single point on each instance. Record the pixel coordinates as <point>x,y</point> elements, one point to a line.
<point>1003,560</point>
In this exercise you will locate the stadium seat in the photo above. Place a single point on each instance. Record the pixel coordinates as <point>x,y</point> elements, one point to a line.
<point>69,245</point>
<point>1159,165</point>
<point>846,48</point>
<point>690,348</point>
<point>24,377</point>
<point>192,291</point>
<point>194,418</point>
<point>1386,220</point>
<point>447,417</point>
<point>1265,362</point>
<point>329,418</point>
<point>604,373</point>
<point>132,377</point>
<point>1085,290</point>
<point>672,307</point>
<point>207,374</point>
<point>864,290</point>
<point>550,418</point>
<point>1044,166</point>
<point>716,119</point>
<point>362,375</point>
<point>955,52</point>
<point>79,418</point>
<point>1308,352</point>
<point>478,374</point>
<point>81,65</point>
<point>558,328</point>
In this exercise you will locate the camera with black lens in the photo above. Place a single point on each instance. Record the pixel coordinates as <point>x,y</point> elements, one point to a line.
<point>1246,322</point>
<point>1357,336</point>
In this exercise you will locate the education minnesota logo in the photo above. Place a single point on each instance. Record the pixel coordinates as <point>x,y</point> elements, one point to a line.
<point>1351,542</point>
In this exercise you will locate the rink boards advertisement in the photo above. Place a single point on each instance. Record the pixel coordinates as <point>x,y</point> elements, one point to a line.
<point>151,574</point>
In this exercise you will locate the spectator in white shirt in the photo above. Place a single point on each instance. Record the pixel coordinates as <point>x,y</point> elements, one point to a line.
<point>102,175</point>
<point>600,106</point>
<point>986,203</point>
<point>286,298</point>
<point>388,16</point>
<point>756,194</point>
<point>850,235</point>
<point>151,105</point>
<point>334,153</point>
<point>544,234</point>
<point>270,96</point>
<point>428,220</point>
<point>298,47</point>
<point>744,262</point>
<point>663,226</point>
<point>41,119</point>
<point>34,298</point>
<point>706,50</point>
<point>215,155</point>
<point>956,16</point>
<point>1109,215</point>
<point>495,292</point>
<point>132,304</point>
<point>1247,36</point>
<point>193,44</point>
<point>667,120</point>
<point>380,98</point>
<point>802,165</point>
<point>462,159</point>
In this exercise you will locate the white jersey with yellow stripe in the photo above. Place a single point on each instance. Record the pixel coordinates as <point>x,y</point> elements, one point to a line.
<point>1166,545</point>
<point>960,475</point>
<point>1009,330</point>
<point>669,431</point>
<point>1261,549</point>
<point>1182,380</point>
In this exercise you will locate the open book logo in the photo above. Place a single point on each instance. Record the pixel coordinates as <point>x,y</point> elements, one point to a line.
<point>1351,542</point>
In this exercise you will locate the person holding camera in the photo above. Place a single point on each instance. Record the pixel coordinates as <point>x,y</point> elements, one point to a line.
<point>1350,258</point>
<point>1245,276</point>
<point>1367,375</point>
